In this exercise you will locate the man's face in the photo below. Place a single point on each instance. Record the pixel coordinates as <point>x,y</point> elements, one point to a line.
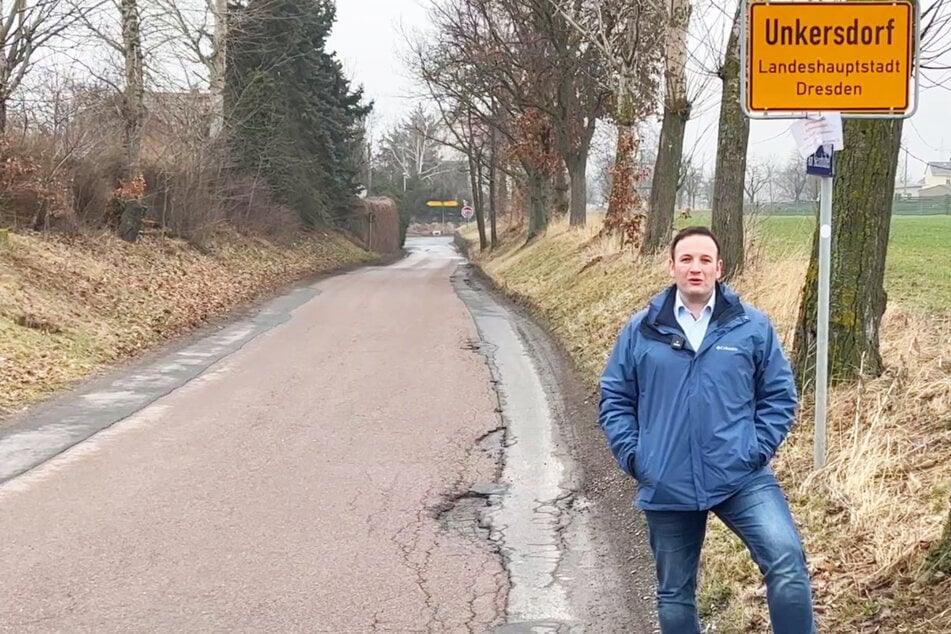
<point>695,267</point>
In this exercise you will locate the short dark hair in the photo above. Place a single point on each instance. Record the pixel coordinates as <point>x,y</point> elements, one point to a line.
<point>693,231</point>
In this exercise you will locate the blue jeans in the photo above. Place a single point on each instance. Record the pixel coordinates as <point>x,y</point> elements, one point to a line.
<point>760,517</point>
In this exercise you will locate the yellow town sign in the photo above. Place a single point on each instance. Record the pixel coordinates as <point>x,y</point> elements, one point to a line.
<point>850,57</point>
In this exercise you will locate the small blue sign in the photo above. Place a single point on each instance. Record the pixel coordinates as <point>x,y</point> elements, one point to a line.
<point>822,162</point>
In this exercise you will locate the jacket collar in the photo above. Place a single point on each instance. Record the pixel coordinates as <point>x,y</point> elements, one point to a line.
<point>661,309</point>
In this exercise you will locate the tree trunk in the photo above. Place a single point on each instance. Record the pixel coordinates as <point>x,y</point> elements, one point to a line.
<point>862,204</point>
<point>624,177</point>
<point>539,185</point>
<point>476,207</point>
<point>134,85</point>
<point>480,203</point>
<point>560,189</point>
<point>3,111</point>
<point>734,132</point>
<point>660,220</point>
<point>132,208</point>
<point>218,69</point>
<point>493,189</point>
<point>504,202</point>
<point>578,177</point>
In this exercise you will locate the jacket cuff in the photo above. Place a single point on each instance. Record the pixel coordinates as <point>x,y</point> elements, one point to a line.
<point>630,465</point>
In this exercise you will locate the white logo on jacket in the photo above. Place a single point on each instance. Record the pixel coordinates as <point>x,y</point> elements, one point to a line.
<point>728,348</point>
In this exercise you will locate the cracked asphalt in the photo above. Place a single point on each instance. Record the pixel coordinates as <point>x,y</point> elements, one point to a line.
<point>386,450</point>
<point>290,487</point>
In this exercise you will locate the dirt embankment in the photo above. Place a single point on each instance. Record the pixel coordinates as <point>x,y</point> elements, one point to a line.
<point>73,305</point>
<point>872,520</point>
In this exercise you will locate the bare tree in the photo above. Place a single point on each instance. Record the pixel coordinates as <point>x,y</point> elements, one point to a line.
<point>709,188</point>
<point>792,178</point>
<point>732,139</point>
<point>487,63</point>
<point>200,27</point>
<point>691,183</point>
<point>629,34</point>
<point>25,28</point>
<point>413,145</point>
<point>581,99</point>
<point>770,171</point>
<point>757,177</point>
<point>667,169</point>
<point>602,159</point>
<point>134,105</point>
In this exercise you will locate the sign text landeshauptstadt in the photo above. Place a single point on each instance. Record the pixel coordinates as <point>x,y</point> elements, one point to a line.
<point>850,57</point>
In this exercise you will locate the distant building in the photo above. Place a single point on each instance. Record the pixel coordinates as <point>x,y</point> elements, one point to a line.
<point>936,182</point>
<point>935,191</point>
<point>175,123</point>
<point>938,173</point>
<point>910,190</point>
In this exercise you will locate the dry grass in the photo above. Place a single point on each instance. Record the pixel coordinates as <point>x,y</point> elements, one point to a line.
<point>70,306</point>
<point>868,518</point>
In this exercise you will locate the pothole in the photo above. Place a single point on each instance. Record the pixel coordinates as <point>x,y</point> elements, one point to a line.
<point>472,345</point>
<point>492,443</point>
<point>464,514</point>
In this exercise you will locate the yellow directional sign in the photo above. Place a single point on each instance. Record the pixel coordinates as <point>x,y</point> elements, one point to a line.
<point>851,57</point>
<point>442,203</point>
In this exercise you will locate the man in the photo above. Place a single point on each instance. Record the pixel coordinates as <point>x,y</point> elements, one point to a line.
<point>696,398</point>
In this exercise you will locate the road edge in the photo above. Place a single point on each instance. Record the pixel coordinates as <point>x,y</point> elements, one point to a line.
<point>618,530</point>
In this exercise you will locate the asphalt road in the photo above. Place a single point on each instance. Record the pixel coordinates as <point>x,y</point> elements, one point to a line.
<point>377,451</point>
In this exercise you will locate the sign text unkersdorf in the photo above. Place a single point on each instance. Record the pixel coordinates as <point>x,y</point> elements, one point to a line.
<point>814,57</point>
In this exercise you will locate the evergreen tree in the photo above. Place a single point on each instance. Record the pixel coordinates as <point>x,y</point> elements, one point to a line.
<point>294,116</point>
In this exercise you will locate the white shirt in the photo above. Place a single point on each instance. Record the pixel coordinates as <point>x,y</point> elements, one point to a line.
<point>695,329</point>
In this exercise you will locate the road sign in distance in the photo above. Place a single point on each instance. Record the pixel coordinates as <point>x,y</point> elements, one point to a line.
<point>849,57</point>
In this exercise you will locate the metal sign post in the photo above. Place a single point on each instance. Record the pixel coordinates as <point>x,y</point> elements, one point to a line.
<point>822,164</point>
<point>443,204</point>
<point>805,59</point>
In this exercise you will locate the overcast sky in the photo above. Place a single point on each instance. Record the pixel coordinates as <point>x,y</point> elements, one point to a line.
<point>368,38</point>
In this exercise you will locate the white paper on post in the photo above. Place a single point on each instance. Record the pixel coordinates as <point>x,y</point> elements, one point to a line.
<point>810,134</point>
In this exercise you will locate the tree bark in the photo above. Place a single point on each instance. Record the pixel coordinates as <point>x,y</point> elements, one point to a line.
<point>663,198</point>
<point>134,97</point>
<point>660,220</point>
<point>862,203</point>
<point>734,132</point>
<point>560,189</point>
<point>504,196</point>
<point>578,177</point>
<point>132,208</point>
<point>493,188</point>
<point>218,70</point>
<point>539,186</point>
<point>623,180</point>
<point>475,184</point>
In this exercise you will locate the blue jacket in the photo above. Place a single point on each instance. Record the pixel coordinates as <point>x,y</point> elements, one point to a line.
<point>693,427</point>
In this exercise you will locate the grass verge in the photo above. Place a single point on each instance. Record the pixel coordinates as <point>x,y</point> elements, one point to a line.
<point>869,517</point>
<point>71,306</point>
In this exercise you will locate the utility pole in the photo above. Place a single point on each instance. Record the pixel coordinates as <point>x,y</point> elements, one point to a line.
<point>906,171</point>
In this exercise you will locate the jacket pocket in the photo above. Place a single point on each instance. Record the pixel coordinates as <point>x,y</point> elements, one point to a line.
<point>643,468</point>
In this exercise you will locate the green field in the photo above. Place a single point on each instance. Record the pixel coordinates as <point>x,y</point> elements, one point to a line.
<point>918,269</point>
